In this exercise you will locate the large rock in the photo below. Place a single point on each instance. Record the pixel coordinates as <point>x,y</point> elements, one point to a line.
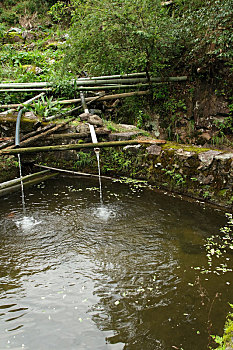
<point>94,119</point>
<point>132,149</point>
<point>154,150</point>
<point>32,69</point>
<point>84,116</point>
<point>224,156</point>
<point>123,136</point>
<point>207,158</point>
<point>13,37</point>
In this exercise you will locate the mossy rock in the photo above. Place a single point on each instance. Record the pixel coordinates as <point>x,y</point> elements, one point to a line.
<point>53,45</point>
<point>189,148</point>
<point>32,69</point>
<point>13,37</point>
<point>9,168</point>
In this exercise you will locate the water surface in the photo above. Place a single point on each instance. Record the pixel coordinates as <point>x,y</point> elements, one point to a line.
<point>75,274</point>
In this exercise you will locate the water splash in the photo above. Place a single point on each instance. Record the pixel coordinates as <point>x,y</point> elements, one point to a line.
<point>27,223</point>
<point>100,183</point>
<point>104,213</point>
<point>21,182</point>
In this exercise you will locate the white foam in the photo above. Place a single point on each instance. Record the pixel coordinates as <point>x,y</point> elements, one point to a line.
<point>104,213</point>
<point>27,223</point>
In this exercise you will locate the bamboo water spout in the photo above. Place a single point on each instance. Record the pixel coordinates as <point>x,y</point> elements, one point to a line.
<point>79,146</point>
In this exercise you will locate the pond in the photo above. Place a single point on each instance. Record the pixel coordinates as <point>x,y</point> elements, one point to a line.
<point>76,274</point>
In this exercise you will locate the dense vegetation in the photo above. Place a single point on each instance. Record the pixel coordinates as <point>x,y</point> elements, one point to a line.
<point>178,37</point>
<point>116,36</point>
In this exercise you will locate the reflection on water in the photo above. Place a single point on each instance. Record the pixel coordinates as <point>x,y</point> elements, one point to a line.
<point>77,274</point>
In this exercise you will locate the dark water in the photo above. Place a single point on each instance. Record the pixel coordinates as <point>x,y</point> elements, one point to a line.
<point>75,275</point>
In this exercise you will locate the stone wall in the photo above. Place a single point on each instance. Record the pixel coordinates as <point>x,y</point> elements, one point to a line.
<point>200,173</point>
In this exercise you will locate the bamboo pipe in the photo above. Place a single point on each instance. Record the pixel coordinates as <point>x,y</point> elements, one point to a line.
<point>72,110</point>
<point>24,179</point>
<point>15,188</point>
<point>142,74</point>
<point>25,90</point>
<point>71,172</point>
<point>104,98</point>
<point>17,128</point>
<point>91,81</point>
<point>79,146</point>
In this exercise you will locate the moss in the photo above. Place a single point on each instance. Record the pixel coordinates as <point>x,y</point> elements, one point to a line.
<point>222,193</point>
<point>13,37</point>
<point>226,341</point>
<point>188,148</point>
<point>9,168</point>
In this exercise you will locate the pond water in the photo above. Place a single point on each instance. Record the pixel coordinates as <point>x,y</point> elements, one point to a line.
<point>75,274</point>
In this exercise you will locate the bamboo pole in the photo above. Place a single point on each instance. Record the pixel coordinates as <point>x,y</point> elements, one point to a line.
<point>113,87</point>
<point>94,81</point>
<point>43,134</point>
<point>25,85</point>
<point>30,134</point>
<point>142,74</point>
<point>76,135</point>
<point>71,172</point>
<point>25,90</point>
<point>24,179</point>
<point>79,146</point>
<point>17,187</point>
<point>104,98</point>
<point>72,110</point>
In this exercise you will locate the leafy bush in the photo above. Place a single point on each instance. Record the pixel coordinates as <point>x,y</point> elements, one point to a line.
<point>116,36</point>
<point>110,36</point>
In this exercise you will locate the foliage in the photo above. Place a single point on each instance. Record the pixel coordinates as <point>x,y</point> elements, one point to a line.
<point>224,341</point>
<point>122,36</point>
<point>12,11</point>
<point>175,176</point>
<point>45,107</point>
<point>218,249</point>
<point>60,12</point>
<point>116,36</point>
<point>66,88</point>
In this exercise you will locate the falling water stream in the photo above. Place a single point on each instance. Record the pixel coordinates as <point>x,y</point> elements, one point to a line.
<point>21,183</point>
<point>97,153</point>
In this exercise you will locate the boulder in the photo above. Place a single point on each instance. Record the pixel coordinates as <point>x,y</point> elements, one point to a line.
<point>122,136</point>
<point>84,116</point>
<point>13,37</point>
<point>132,149</point>
<point>83,128</point>
<point>32,69</point>
<point>94,119</point>
<point>128,127</point>
<point>207,158</point>
<point>29,35</point>
<point>154,150</point>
